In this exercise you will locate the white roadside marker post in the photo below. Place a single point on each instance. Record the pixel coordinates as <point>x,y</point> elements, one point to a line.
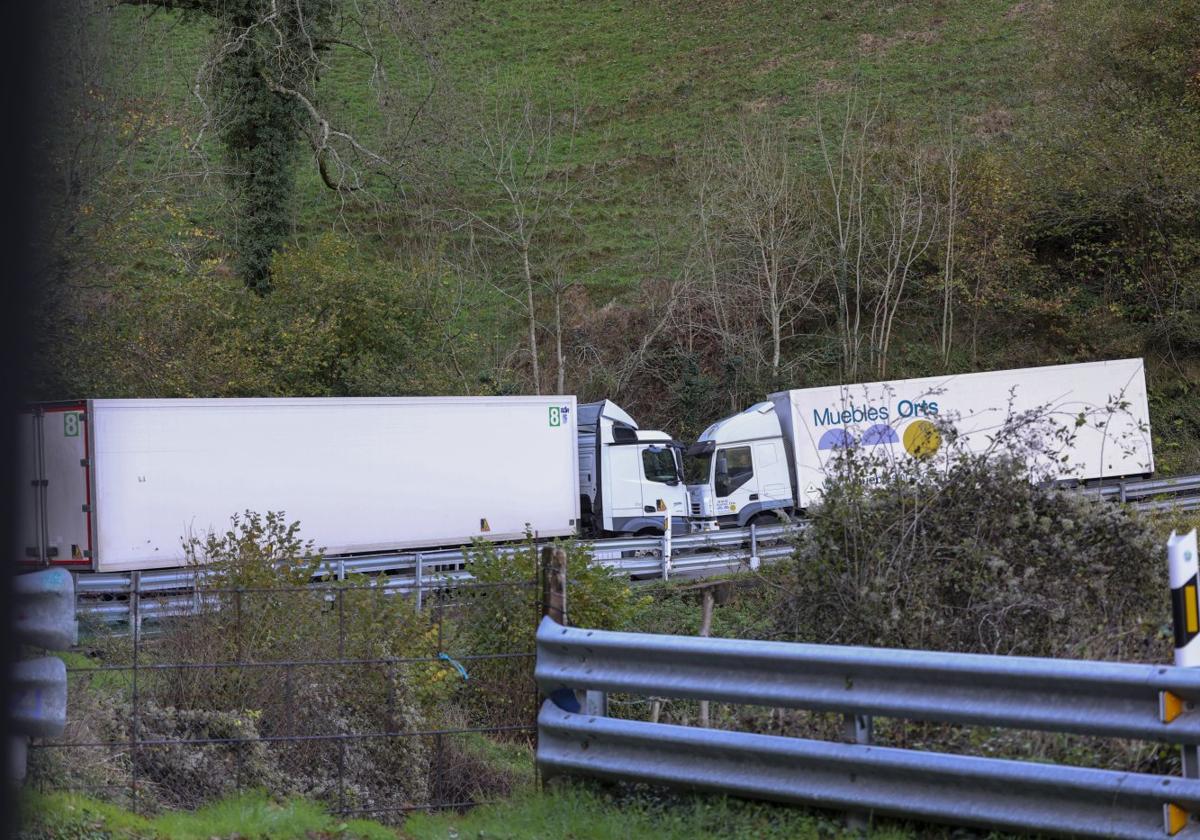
<point>1184,571</point>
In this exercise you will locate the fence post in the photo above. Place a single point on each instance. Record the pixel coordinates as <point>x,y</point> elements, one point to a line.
<point>418,576</point>
<point>554,606</point>
<point>1184,573</point>
<point>135,603</point>
<point>135,712</point>
<point>666,547</point>
<point>554,561</point>
<point>706,613</point>
<point>754,562</point>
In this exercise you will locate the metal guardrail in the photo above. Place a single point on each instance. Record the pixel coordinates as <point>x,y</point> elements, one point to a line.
<point>698,554</point>
<point>1129,490</point>
<point>1095,698</point>
<point>106,597</point>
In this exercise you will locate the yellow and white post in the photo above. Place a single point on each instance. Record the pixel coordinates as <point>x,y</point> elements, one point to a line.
<point>1183,567</point>
<point>1184,571</point>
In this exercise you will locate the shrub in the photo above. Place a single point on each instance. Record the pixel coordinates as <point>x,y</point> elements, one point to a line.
<point>505,613</point>
<point>971,555</point>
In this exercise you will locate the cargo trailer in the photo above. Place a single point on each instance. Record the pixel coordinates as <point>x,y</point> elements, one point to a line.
<point>117,485</point>
<point>772,459</point>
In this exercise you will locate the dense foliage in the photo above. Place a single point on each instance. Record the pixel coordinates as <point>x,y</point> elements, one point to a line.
<point>970,555</point>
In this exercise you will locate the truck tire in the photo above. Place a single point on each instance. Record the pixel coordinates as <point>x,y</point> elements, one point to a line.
<point>769,517</point>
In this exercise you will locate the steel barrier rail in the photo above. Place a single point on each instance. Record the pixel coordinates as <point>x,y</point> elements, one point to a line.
<point>1175,503</point>
<point>711,552</point>
<point>1111,699</point>
<point>1146,487</point>
<point>986,792</point>
<point>1147,702</point>
<point>708,552</point>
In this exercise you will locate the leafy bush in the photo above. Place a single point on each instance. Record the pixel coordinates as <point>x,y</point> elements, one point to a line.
<point>506,613</point>
<point>971,555</point>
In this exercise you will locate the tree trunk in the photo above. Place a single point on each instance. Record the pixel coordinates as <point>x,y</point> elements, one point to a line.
<point>533,348</point>
<point>558,344</point>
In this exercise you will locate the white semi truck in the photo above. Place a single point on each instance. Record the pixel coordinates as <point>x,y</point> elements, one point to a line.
<point>116,485</point>
<point>771,459</point>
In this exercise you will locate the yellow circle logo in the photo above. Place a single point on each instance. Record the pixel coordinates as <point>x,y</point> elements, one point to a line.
<point>921,439</point>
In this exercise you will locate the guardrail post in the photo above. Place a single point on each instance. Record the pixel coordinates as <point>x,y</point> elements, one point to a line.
<point>135,604</point>
<point>666,547</point>
<point>1183,568</point>
<point>596,703</point>
<point>418,569</point>
<point>754,562</point>
<point>341,569</point>
<point>859,729</point>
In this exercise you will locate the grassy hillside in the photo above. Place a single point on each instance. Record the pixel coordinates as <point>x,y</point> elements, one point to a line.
<point>651,79</point>
<point>1073,245</point>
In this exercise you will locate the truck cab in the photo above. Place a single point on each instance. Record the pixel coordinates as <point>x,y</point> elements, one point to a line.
<point>737,472</point>
<point>629,478</point>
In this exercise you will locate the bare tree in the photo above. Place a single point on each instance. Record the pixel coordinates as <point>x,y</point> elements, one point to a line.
<point>749,276</point>
<point>531,199</point>
<point>847,161</point>
<point>952,154</point>
<point>770,224</point>
<point>559,281</point>
<point>910,222</point>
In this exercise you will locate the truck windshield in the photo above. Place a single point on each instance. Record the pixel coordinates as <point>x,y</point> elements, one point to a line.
<point>658,462</point>
<point>696,468</point>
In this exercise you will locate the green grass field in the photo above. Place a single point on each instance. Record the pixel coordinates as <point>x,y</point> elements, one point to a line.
<point>566,812</point>
<point>651,80</point>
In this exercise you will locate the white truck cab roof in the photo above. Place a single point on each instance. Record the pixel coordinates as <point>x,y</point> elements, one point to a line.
<point>755,423</point>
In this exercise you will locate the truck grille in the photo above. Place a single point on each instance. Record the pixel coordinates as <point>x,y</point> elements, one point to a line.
<point>695,508</point>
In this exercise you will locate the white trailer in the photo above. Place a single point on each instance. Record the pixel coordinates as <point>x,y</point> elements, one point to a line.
<point>735,471</point>
<point>115,485</point>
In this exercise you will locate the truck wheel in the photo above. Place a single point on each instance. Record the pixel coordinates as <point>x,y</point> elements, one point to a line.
<point>768,517</point>
<point>638,552</point>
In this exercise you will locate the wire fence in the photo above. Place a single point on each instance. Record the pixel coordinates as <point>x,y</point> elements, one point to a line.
<point>371,702</point>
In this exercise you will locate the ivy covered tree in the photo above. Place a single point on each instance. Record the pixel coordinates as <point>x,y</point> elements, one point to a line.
<point>259,89</point>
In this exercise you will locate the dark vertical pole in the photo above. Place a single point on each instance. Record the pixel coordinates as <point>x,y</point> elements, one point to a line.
<point>539,606</point>
<point>237,624</point>
<point>25,97</point>
<point>240,682</point>
<point>436,788</point>
<point>135,618</point>
<point>706,614</point>
<point>341,741</point>
<point>555,561</point>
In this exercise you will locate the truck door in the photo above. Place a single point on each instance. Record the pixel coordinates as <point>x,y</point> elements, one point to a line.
<point>622,486</point>
<point>55,502</point>
<point>733,479</point>
<point>663,491</point>
<point>774,483</point>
